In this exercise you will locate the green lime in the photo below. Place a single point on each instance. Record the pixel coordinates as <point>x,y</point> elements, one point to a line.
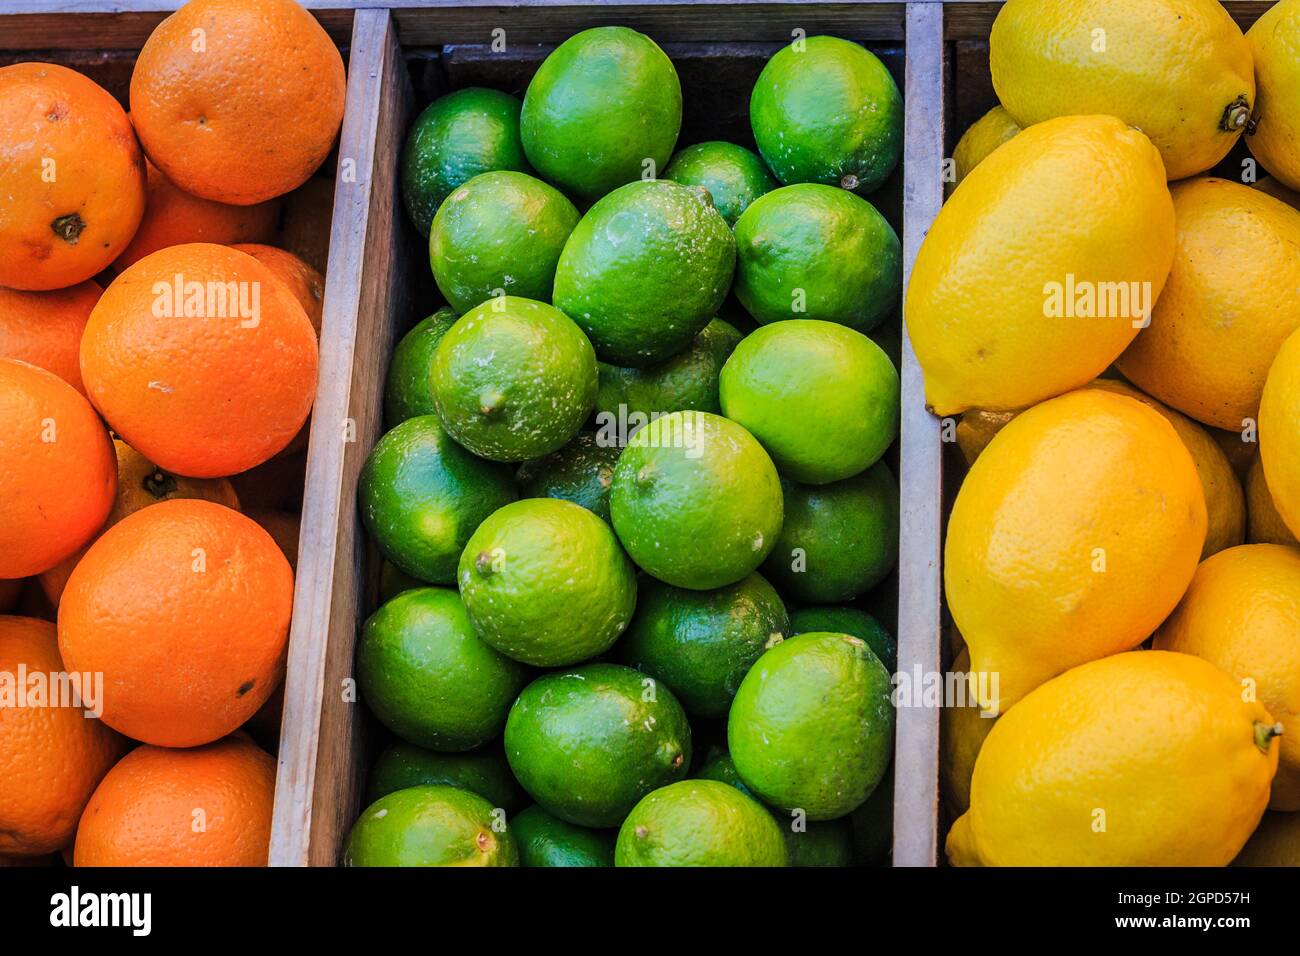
<point>823,399</point>
<point>718,765</point>
<point>484,772</point>
<point>430,826</point>
<point>873,824</point>
<point>429,677</point>
<point>408,392</point>
<point>818,842</point>
<point>546,583</point>
<point>580,472</point>
<point>888,336</point>
<point>422,495</point>
<point>702,643</point>
<point>838,540</point>
<point>587,744</point>
<point>458,136</point>
<point>546,840</point>
<point>604,109</point>
<point>733,175</point>
<point>514,379</point>
<point>500,233</point>
<point>686,382</point>
<point>816,252</point>
<point>811,727</point>
<point>393,581</point>
<point>696,500</point>
<point>699,823</point>
<point>645,270</point>
<point>826,110</point>
<point>847,620</point>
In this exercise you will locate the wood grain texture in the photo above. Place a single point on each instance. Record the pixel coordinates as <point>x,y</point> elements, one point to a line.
<point>972,19</point>
<point>121,25</point>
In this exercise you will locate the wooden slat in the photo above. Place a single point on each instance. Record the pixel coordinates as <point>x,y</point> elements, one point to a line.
<point>111,26</point>
<point>916,753</point>
<point>972,19</point>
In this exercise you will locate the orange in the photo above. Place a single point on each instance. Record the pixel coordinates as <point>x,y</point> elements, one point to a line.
<point>57,470</point>
<point>44,328</point>
<point>306,284</point>
<point>199,357</point>
<point>51,757</point>
<point>238,101</point>
<point>283,527</point>
<point>305,225</point>
<point>184,606</point>
<point>172,217</point>
<point>210,806</point>
<point>73,173</point>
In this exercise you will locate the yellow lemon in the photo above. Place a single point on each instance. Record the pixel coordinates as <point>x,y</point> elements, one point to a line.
<point>1179,70</point>
<point>1072,537</point>
<point>1279,432</point>
<point>1242,613</point>
<point>984,135</point>
<point>1228,305</point>
<point>1274,188</point>
<point>1266,525</point>
<point>1275,842</point>
<point>962,730</point>
<point>1036,274</point>
<point>1148,758</point>
<point>976,428</point>
<point>1241,447</point>
<point>1275,135</point>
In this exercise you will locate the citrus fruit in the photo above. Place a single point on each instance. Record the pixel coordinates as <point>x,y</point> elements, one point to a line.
<point>546,840</point>
<point>76,175</point>
<point>1275,842</point>
<point>485,772</point>
<point>645,270</point>
<point>1279,419</point>
<point>205,375</point>
<point>1274,40</point>
<point>1179,70</point>
<point>408,390</point>
<point>962,731</point>
<point>1114,745</point>
<point>305,284</point>
<point>819,842</point>
<point>58,480</point>
<point>811,727</point>
<point>873,825</point>
<point>696,501</point>
<point>430,826</point>
<point>1265,524</point>
<point>422,495</point>
<point>702,643</point>
<point>581,472</point>
<point>686,382</point>
<point>429,678</point>
<point>546,583</point>
<point>587,744</point>
<point>982,137</point>
<point>838,540</point>
<point>44,328</point>
<point>305,222</point>
<point>52,752</point>
<point>499,233</point>
<point>733,176</point>
<point>1012,300</point>
<point>699,823</point>
<point>513,379</point>
<point>603,109</point>
<point>184,607</point>
<point>718,765</point>
<point>204,806</point>
<point>842,619</point>
<point>817,252</point>
<point>1242,613</point>
<point>1042,571</point>
<point>284,527</point>
<point>825,110</point>
<point>823,399</point>
<point>238,101</point>
<point>455,138</point>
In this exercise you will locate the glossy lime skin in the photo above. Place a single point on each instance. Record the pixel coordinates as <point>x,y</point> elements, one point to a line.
<point>733,175</point>
<point>847,620</point>
<point>545,582</point>
<point>602,110</point>
<point>513,379</point>
<point>588,743</point>
<point>430,826</point>
<point>458,136</point>
<point>499,234</point>
<point>817,252</point>
<point>699,823</point>
<point>811,727</point>
<point>546,840</point>
<point>839,540</point>
<point>645,270</point>
<point>581,472</point>
<point>408,390</point>
<point>429,677</point>
<point>830,113</point>
<point>702,643</point>
<point>696,501</point>
<point>483,771</point>
<point>422,495</point>
<point>686,382</point>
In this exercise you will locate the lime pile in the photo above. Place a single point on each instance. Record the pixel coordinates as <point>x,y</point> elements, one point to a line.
<point>605,512</point>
